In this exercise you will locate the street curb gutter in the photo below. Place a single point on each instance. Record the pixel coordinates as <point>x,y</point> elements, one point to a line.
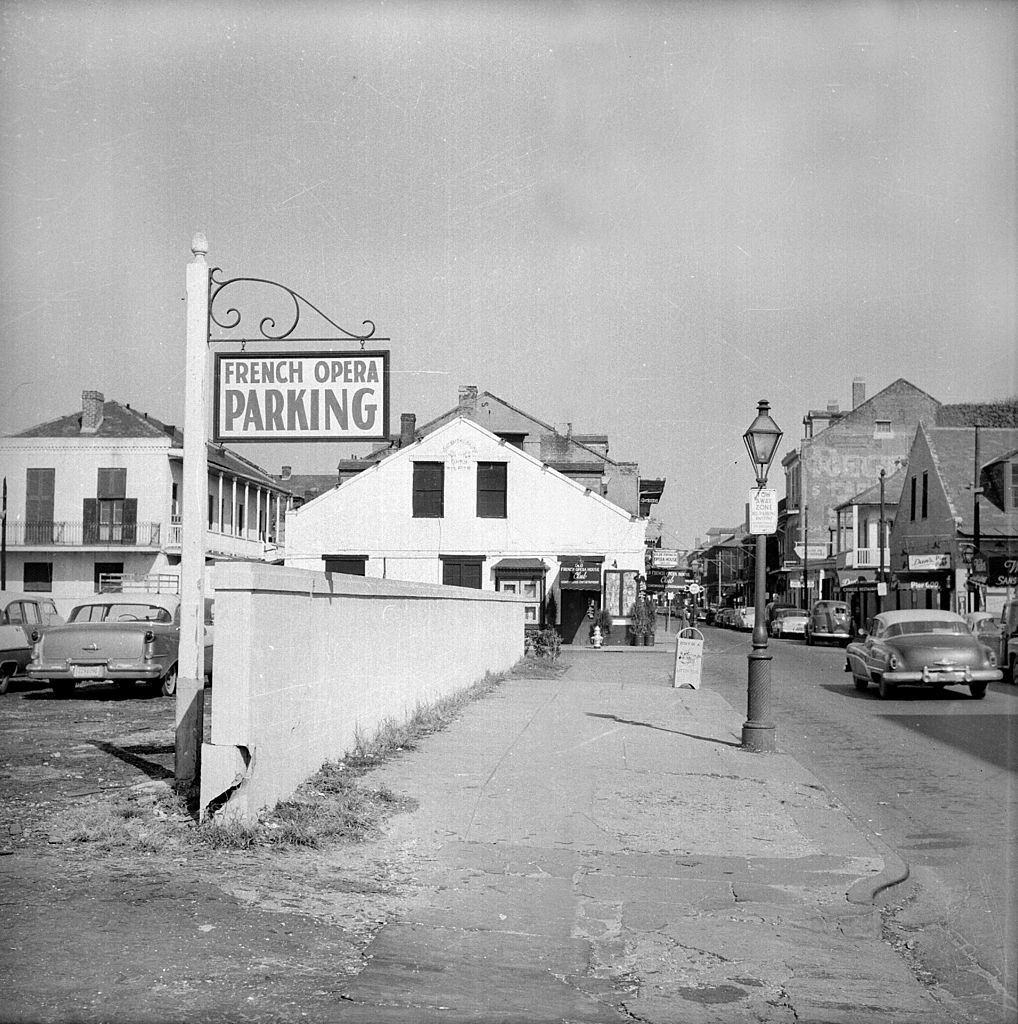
<point>895,872</point>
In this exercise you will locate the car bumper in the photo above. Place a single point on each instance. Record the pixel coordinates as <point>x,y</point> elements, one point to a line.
<point>830,636</point>
<point>120,670</point>
<point>928,677</point>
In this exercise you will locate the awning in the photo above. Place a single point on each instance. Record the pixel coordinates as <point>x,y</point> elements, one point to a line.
<point>521,566</point>
<point>857,579</point>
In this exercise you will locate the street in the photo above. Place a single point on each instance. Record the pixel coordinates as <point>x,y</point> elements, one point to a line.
<point>932,776</point>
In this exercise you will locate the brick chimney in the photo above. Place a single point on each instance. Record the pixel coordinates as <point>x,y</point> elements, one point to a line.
<point>285,475</point>
<point>858,392</point>
<point>408,428</point>
<point>468,397</point>
<point>832,405</point>
<point>91,411</point>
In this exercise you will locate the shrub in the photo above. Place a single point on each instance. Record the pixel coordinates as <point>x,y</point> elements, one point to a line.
<point>544,643</point>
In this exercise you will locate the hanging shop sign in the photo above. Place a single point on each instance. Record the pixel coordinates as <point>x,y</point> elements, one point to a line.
<point>1002,571</point>
<point>664,558</point>
<point>580,574</point>
<point>668,579</point>
<point>929,563</point>
<point>301,396</point>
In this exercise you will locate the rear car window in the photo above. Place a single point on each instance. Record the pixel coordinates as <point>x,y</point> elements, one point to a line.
<point>120,613</point>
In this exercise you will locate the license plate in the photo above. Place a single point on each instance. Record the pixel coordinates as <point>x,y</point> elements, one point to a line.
<point>87,671</point>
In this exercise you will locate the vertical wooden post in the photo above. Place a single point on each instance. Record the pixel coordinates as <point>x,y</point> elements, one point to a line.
<point>191,656</point>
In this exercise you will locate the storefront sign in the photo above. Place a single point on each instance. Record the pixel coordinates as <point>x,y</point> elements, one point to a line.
<point>667,579</point>
<point>928,563</point>
<point>664,558</point>
<point>816,551</point>
<point>580,575</point>
<point>302,396</point>
<point>1002,571</point>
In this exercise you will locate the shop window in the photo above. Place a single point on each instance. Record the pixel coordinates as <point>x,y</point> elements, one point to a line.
<point>38,576</point>
<point>1013,489</point>
<point>527,587</point>
<point>491,490</point>
<point>462,571</point>
<point>429,490</point>
<point>349,565</point>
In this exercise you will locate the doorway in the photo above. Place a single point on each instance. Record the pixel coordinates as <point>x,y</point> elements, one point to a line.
<point>574,612</point>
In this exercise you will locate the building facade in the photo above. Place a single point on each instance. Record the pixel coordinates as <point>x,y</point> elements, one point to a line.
<point>461,505</point>
<point>95,497</point>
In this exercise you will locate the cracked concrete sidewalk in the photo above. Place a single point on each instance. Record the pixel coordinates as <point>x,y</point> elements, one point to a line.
<point>599,848</point>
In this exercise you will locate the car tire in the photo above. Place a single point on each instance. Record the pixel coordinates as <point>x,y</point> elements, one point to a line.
<point>978,690</point>
<point>809,638</point>
<point>861,683</point>
<point>168,684</point>
<point>5,680</point>
<point>1013,670</point>
<point>887,690</point>
<point>62,687</point>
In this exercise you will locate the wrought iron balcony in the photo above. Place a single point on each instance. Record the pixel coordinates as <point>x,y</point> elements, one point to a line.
<point>79,534</point>
<point>862,558</point>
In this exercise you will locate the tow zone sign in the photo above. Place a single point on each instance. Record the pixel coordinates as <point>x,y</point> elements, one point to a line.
<point>302,396</point>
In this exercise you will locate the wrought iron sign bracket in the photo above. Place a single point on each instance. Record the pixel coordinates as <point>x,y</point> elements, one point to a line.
<point>229,319</point>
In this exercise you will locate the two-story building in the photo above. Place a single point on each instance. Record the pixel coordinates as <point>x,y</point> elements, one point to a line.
<point>839,455</point>
<point>463,506</point>
<point>957,517</point>
<point>94,497</point>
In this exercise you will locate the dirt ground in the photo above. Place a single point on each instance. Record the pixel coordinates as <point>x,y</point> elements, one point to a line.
<point>111,910</point>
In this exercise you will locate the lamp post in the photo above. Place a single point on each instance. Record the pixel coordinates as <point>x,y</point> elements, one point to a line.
<point>758,731</point>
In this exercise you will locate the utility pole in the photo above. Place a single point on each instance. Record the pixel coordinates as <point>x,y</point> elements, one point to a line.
<point>3,542</point>
<point>976,538</point>
<point>805,557</point>
<point>880,541</point>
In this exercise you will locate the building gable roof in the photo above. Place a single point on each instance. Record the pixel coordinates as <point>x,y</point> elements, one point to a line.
<point>456,427</point>
<point>846,417</point>
<point>953,453</point>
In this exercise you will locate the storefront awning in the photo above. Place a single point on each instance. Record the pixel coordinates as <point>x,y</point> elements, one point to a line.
<point>580,573</point>
<point>521,566</point>
<point>857,579</point>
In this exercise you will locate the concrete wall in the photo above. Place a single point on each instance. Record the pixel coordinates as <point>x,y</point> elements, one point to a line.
<point>307,661</point>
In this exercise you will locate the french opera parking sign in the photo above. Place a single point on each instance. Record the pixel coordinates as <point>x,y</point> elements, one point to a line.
<point>302,396</point>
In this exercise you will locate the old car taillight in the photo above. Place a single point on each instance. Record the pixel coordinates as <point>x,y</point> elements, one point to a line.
<point>150,643</point>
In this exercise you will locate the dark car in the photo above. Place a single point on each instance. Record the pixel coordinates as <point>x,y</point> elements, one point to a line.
<point>829,621</point>
<point>127,638</point>
<point>922,647</point>
<point>21,615</point>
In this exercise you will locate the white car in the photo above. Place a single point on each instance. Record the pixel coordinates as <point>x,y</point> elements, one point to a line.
<point>788,622</point>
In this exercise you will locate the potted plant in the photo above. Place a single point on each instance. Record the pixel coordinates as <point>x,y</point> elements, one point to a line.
<point>638,623</point>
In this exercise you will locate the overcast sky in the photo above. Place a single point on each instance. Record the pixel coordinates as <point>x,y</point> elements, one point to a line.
<point>639,218</point>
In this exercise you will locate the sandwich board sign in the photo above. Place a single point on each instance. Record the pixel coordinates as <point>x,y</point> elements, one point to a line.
<point>688,658</point>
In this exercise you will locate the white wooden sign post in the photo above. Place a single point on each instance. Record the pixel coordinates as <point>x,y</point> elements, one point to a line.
<point>190,708</point>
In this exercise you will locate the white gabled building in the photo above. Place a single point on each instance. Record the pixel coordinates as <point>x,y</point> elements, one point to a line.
<point>462,506</point>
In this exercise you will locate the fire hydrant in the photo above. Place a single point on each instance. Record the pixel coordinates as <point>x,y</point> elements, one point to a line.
<point>595,637</point>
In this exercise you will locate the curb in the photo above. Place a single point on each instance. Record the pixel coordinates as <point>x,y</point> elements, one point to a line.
<point>895,872</point>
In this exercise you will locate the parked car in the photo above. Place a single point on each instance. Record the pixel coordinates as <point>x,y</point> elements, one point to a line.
<point>1000,633</point>
<point>744,618</point>
<point>21,615</point>
<point>788,622</point>
<point>829,621</point>
<point>922,647</point>
<point>725,618</point>
<point>127,638</point>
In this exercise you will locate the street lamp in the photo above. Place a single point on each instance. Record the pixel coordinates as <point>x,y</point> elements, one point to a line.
<point>758,731</point>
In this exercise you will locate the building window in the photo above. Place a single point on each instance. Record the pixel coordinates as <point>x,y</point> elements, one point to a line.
<point>111,494</point>
<point>38,576</point>
<point>348,565</point>
<point>429,490</point>
<point>882,428</point>
<point>516,440</point>
<point>462,571</point>
<point>212,510</point>
<point>911,513</point>
<point>491,488</point>
<point>102,571</point>
<point>528,588</point>
<point>1013,489</point>
<point>926,492</point>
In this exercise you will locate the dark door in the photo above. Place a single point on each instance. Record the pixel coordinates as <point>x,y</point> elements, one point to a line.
<point>575,621</point>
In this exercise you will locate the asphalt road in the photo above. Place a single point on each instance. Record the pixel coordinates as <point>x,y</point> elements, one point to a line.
<point>932,776</point>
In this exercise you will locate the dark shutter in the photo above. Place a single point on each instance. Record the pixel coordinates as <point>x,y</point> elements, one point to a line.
<point>491,490</point>
<point>429,489</point>
<point>346,565</point>
<point>462,572</point>
<point>90,521</point>
<point>39,488</point>
<point>130,531</point>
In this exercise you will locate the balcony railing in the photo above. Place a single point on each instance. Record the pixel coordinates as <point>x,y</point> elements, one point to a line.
<point>81,534</point>
<point>230,544</point>
<point>863,558</point>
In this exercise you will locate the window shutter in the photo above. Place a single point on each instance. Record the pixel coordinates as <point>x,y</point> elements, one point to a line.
<point>90,521</point>
<point>130,532</point>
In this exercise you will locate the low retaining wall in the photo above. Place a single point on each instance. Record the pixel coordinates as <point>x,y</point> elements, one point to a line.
<point>305,662</point>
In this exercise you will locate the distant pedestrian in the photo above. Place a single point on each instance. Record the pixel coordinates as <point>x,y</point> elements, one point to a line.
<point>683,621</point>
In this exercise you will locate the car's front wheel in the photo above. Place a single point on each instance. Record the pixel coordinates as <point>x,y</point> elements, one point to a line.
<point>5,679</point>
<point>861,682</point>
<point>887,690</point>
<point>1013,670</point>
<point>978,690</point>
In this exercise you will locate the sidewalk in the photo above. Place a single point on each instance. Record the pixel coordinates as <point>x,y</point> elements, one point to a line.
<point>598,848</point>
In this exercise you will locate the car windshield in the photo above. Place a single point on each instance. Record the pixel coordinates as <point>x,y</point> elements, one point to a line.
<point>783,613</point>
<point>908,628</point>
<point>120,613</point>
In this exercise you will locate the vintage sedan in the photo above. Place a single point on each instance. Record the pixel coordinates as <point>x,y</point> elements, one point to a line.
<point>21,615</point>
<point>922,647</point>
<point>829,621</point>
<point>126,638</point>
<point>788,622</point>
